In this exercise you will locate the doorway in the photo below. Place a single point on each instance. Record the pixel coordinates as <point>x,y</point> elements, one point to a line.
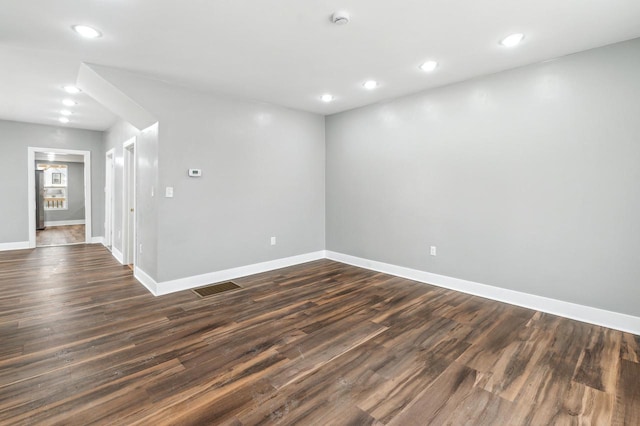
<point>129,203</point>
<point>53,198</point>
<point>108,198</point>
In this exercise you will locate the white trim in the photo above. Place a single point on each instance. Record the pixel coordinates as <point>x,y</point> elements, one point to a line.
<point>97,240</point>
<point>186,283</point>
<point>109,205</point>
<point>146,280</point>
<point>615,320</point>
<point>87,196</point>
<point>31,190</point>
<point>55,223</point>
<point>19,245</point>
<point>117,254</point>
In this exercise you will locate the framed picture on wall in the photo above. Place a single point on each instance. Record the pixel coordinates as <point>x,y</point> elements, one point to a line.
<point>56,178</point>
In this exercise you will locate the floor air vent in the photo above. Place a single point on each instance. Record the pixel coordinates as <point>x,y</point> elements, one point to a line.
<point>214,289</point>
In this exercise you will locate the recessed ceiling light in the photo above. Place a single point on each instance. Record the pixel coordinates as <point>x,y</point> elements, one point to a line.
<point>429,66</point>
<point>86,31</point>
<point>327,97</point>
<point>69,102</point>
<point>65,112</point>
<point>63,120</point>
<point>512,40</point>
<point>370,84</point>
<point>72,90</point>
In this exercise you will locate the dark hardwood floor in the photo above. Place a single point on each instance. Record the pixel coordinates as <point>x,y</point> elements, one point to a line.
<point>60,235</point>
<point>81,342</point>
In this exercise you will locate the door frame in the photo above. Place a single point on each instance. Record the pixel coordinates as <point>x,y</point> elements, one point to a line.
<point>109,207</point>
<point>129,230</point>
<point>31,190</point>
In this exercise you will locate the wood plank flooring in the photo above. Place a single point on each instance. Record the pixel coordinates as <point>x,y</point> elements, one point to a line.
<point>60,235</point>
<point>323,343</point>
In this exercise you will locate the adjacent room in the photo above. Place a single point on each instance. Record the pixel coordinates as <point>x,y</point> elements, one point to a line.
<point>320,213</point>
<point>59,194</point>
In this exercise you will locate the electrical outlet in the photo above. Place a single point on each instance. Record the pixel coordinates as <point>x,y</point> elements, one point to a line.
<point>433,251</point>
<point>168,192</point>
<point>140,248</point>
<point>273,241</point>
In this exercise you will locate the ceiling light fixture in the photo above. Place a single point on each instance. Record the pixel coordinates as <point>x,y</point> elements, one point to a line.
<point>65,112</point>
<point>327,97</point>
<point>63,120</point>
<point>370,84</point>
<point>429,66</point>
<point>69,102</point>
<point>72,90</point>
<point>512,40</point>
<point>86,31</point>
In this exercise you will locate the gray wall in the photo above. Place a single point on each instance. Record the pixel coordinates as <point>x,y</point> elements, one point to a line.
<point>263,175</point>
<point>15,138</point>
<point>119,133</point>
<point>526,179</point>
<point>75,193</point>
<point>146,177</point>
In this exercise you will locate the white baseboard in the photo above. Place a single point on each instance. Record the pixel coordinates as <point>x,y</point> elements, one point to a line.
<point>186,283</point>
<point>97,240</point>
<point>615,320</point>
<point>54,223</point>
<point>146,280</point>
<point>117,254</point>
<point>20,245</point>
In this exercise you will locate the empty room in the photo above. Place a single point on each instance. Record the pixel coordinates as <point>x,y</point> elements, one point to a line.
<point>346,212</point>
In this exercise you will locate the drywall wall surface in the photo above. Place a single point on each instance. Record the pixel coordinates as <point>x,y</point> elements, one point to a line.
<point>15,138</point>
<point>527,179</point>
<point>75,194</point>
<point>114,137</point>
<point>147,200</point>
<point>96,86</point>
<point>262,177</point>
<point>146,147</point>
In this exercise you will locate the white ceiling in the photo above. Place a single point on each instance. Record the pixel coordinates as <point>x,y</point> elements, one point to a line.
<point>286,51</point>
<point>52,156</point>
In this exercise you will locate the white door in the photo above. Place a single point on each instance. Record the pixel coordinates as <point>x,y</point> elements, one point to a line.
<point>129,203</point>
